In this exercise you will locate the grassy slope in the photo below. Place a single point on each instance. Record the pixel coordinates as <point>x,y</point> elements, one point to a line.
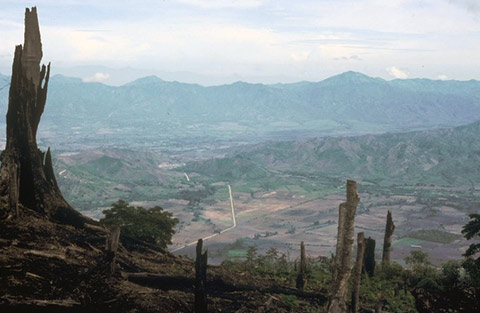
<point>443,157</point>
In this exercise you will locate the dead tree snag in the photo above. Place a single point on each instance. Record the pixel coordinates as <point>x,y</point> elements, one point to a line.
<point>303,268</point>
<point>343,257</point>
<point>201,279</point>
<point>387,241</point>
<point>27,176</point>
<point>357,272</point>
<point>111,247</point>
<point>369,260</point>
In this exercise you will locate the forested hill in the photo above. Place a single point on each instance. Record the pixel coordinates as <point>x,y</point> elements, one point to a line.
<point>443,156</point>
<point>347,103</point>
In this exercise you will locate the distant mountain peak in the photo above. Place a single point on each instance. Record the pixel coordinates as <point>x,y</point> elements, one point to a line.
<point>240,82</point>
<point>62,79</point>
<point>352,77</point>
<point>353,74</point>
<point>147,80</point>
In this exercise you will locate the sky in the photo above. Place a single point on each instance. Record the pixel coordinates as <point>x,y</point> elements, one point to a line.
<point>268,41</point>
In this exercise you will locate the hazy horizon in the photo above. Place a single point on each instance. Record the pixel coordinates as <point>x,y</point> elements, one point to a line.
<point>124,76</point>
<point>214,42</point>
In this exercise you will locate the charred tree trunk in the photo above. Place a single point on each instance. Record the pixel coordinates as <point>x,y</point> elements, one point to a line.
<point>201,279</point>
<point>387,241</point>
<point>13,181</point>
<point>303,268</point>
<point>111,248</point>
<point>27,176</point>
<point>357,272</point>
<point>369,260</point>
<point>343,257</point>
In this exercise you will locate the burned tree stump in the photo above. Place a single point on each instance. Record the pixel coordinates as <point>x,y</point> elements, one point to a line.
<point>369,260</point>
<point>111,247</point>
<point>27,176</point>
<point>357,272</point>
<point>13,192</point>
<point>200,279</point>
<point>343,256</point>
<point>387,241</point>
<point>303,268</point>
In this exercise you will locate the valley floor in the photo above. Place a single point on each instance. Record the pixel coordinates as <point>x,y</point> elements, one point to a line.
<point>282,220</point>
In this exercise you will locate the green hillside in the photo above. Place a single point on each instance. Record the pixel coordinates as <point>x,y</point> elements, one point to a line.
<point>441,157</point>
<point>426,164</point>
<point>150,109</point>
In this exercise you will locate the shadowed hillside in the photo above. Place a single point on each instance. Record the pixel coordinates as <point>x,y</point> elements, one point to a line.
<point>443,156</point>
<point>150,109</point>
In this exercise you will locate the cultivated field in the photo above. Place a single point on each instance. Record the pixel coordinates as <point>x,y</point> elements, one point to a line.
<point>283,220</point>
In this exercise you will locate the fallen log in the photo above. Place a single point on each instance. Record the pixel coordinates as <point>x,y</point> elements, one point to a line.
<point>95,228</point>
<point>35,276</point>
<point>217,285</point>
<point>45,254</point>
<point>62,303</point>
<point>14,304</point>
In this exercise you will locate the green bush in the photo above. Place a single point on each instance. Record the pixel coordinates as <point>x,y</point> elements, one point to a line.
<point>290,301</point>
<point>387,286</point>
<point>154,225</point>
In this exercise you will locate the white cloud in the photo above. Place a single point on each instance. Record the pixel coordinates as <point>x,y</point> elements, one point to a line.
<point>472,6</point>
<point>90,46</point>
<point>442,77</point>
<point>97,78</point>
<point>410,17</point>
<point>306,39</point>
<point>300,56</point>
<point>348,58</point>
<point>396,72</point>
<point>220,4</point>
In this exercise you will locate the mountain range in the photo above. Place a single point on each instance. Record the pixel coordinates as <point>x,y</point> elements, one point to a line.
<point>349,103</point>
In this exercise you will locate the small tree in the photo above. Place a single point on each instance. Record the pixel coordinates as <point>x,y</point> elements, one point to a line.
<point>251,255</point>
<point>154,225</point>
<point>472,230</point>
<point>417,258</point>
<point>283,264</point>
<point>421,274</point>
<point>272,258</point>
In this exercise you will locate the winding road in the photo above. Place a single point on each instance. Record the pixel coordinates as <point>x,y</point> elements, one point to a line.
<point>234,221</point>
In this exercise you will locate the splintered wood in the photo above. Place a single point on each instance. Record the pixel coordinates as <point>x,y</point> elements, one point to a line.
<point>111,247</point>
<point>27,178</point>
<point>357,272</point>
<point>343,257</point>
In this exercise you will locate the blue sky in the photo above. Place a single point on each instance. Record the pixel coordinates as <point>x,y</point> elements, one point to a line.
<point>254,40</point>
